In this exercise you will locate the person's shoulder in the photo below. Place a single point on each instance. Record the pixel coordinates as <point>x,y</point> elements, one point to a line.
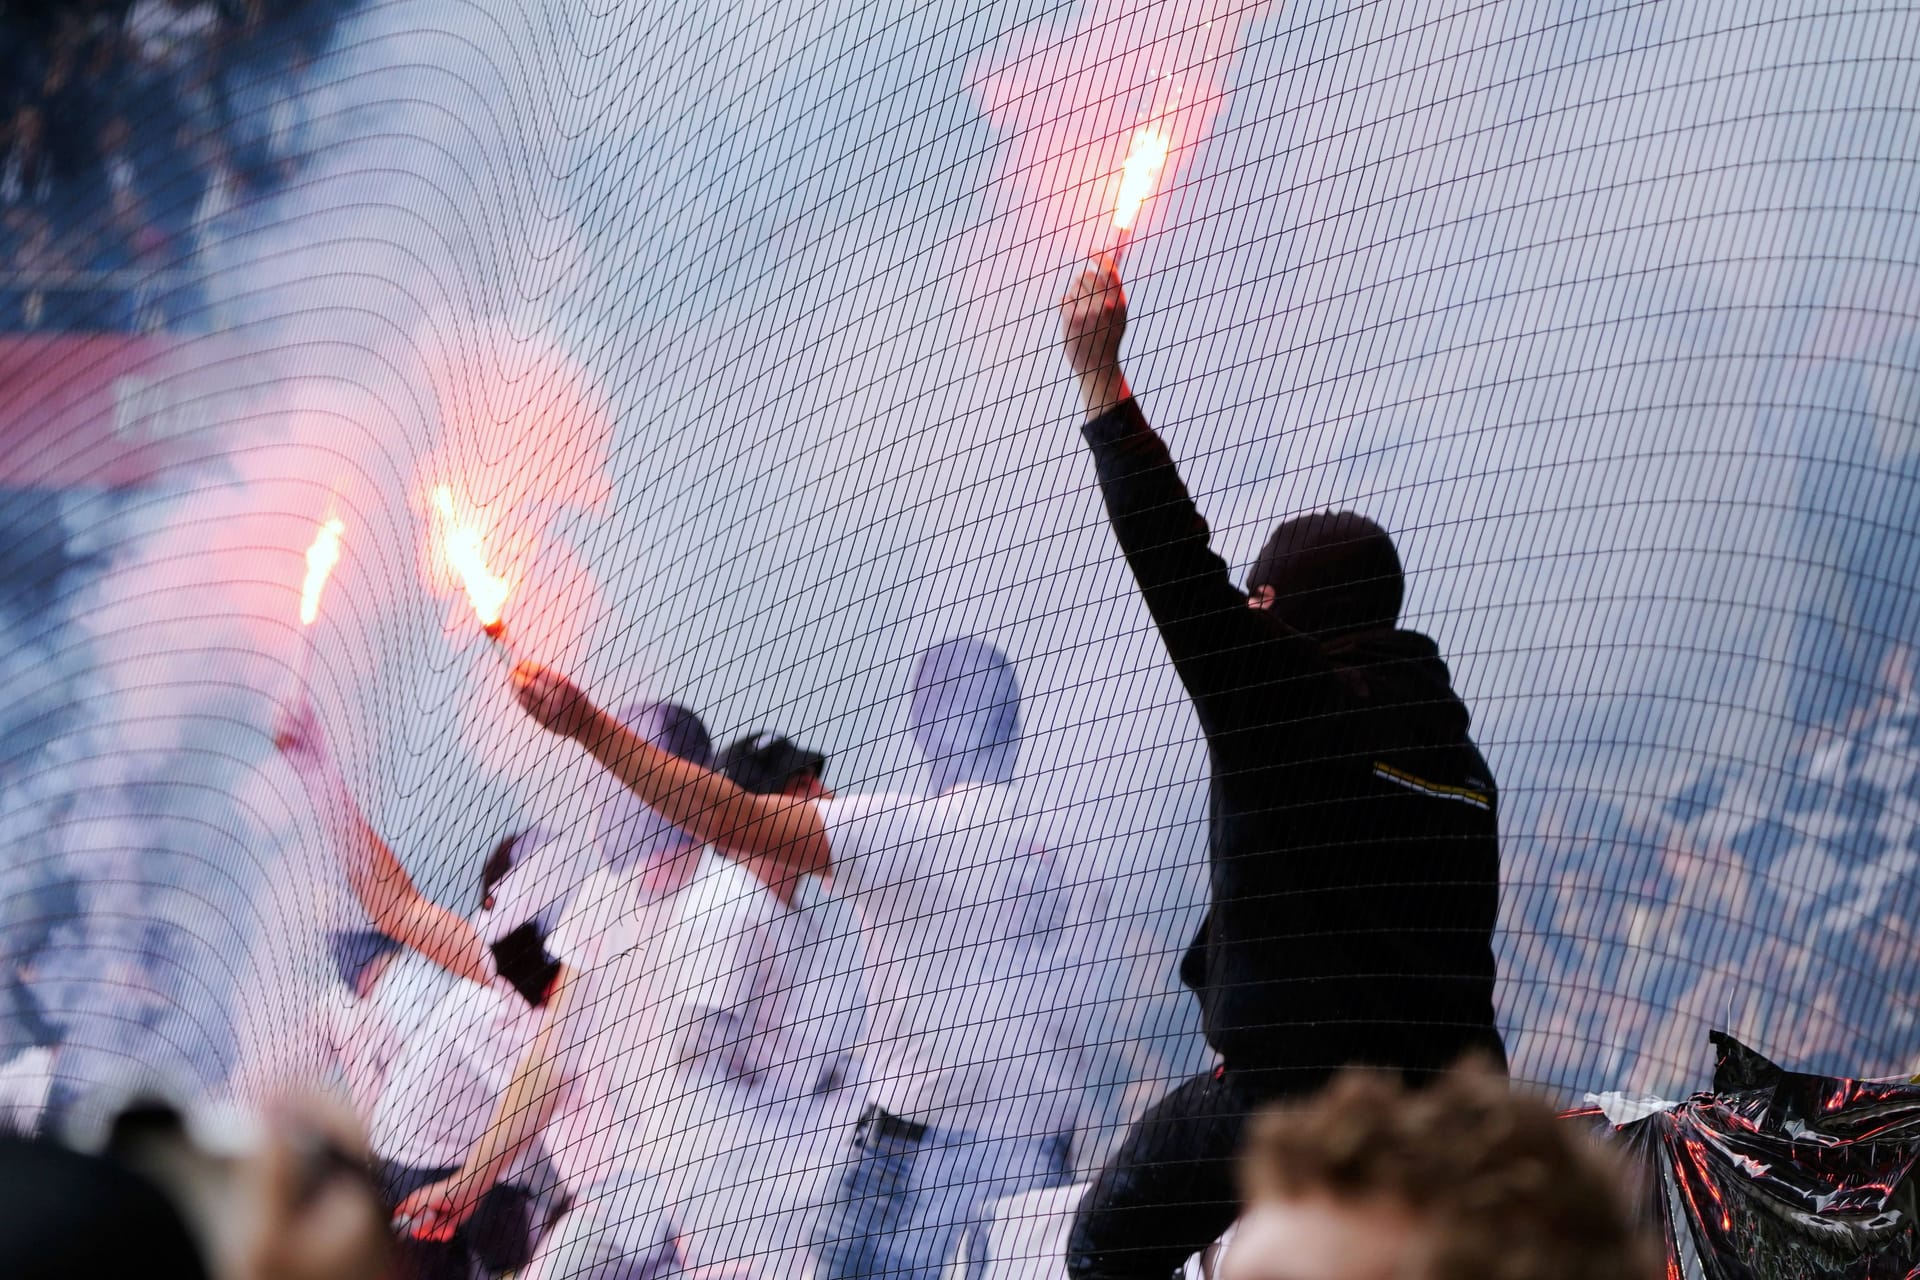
<point>722,886</point>
<point>867,807</point>
<point>1397,666</point>
<point>970,807</point>
<point>591,928</point>
<point>875,838</point>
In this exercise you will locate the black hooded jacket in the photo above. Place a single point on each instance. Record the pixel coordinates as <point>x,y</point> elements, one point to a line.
<point>1355,859</point>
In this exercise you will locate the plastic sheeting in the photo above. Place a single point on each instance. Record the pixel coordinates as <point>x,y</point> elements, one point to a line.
<point>1778,1175</point>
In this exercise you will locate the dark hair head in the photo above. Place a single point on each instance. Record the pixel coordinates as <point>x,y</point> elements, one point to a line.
<point>766,763</point>
<point>1507,1190</point>
<point>1331,571</point>
<point>522,959</point>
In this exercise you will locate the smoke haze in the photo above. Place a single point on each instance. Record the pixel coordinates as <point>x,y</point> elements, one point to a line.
<point>739,332</point>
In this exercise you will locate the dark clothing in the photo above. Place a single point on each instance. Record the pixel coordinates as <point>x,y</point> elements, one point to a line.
<point>498,1235</point>
<point>64,1214</point>
<point>1170,1190</point>
<point>1353,860</point>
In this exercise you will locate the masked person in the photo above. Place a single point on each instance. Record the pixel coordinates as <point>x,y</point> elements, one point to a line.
<point>1354,855</point>
<point>965,1101</point>
<point>424,1053</point>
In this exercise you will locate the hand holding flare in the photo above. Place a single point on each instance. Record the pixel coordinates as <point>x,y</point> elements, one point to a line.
<point>321,557</point>
<point>1093,321</point>
<point>466,552</point>
<point>778,838</point>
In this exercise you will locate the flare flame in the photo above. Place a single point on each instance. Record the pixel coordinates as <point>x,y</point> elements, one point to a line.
<point>322,556</point>
<point>1146,157</point>
<point>466,552</point>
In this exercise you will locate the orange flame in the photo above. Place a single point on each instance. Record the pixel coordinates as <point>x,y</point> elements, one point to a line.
<point>1145,159</point>
<point>467,553</point>
<point>321,557</point>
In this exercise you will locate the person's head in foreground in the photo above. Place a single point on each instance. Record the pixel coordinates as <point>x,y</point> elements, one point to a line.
<point>1463,1180</point>
<point>770,765</point>
<point>292,1200</point>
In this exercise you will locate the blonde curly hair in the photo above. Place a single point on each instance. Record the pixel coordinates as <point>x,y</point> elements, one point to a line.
<point>1506,1189</point>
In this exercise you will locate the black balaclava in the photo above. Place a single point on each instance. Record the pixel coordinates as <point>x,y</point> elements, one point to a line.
<point>1331,572</point>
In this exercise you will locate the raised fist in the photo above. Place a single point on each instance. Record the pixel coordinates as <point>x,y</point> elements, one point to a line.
<point>1093,319</point>
<point>555,702</point>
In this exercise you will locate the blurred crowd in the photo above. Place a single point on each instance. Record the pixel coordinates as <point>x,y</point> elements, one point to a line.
<point>1699,879</point>
<point>132,134</point>
<point>1464,1181</point>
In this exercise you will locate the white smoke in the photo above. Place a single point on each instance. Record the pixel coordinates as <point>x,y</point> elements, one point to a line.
<point>382,331</point>
<point>1536,286</point>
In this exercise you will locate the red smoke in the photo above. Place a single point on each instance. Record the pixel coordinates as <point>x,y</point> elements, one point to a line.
<point>1072,100</point>
<point>523,441</point>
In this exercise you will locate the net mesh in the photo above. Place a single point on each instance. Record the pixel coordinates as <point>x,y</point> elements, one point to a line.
<point>731,334</point>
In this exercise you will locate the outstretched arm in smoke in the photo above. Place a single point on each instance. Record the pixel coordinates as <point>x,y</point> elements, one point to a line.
<point>778,838</point>
<point>396,907</point>
<point>437,1210</point>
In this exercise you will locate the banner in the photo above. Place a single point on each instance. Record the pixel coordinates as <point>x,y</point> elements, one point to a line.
<point>100,410</point>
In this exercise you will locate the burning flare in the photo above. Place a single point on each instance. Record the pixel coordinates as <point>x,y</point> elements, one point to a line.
<point>467,553</point>
<point>1141,173</point>
<point>321,557</point>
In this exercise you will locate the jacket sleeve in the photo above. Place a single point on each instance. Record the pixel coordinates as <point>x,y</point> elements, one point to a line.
<point>1220,647</point>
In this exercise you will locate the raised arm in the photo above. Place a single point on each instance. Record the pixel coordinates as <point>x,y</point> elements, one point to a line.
<point>392,901</point>
<point>436,1211</point>
<point>778,838</point>
<point>1202,616</point>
